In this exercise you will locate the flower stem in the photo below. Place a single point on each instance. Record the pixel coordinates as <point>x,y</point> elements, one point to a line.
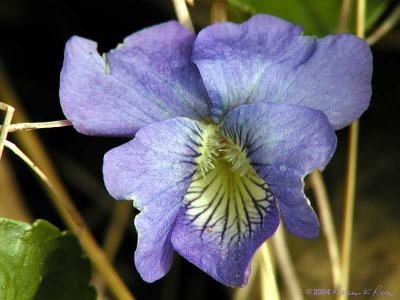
<point>182,13</point>
<point>6,124</point>
<point>38,125</point>
<point>269,287</point>
<point>388,24</point>
<point>349,199</point>
<point>350,183</point>
<point>218,11</point>
<point>113,237</point>
<point>345,11</point>
<point>286,265</point>
<point>327,225</point>
<point>115,231</point>
<point>360,17</point>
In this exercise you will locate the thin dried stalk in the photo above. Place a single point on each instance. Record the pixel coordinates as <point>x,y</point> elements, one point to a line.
<point>115,231</point>
<point>285,265</point>
<point>350,184</point>
<point>345,12</point>
<point>327,225</point>
<point>360,18</point>
<point>218,11</point>
<point>182,13</point>
<point>38,125</point>
<point>114,235</point>
<point>269,287</point>
<point>388,24</point>
<point>6,124</point>
<point>349,199</point>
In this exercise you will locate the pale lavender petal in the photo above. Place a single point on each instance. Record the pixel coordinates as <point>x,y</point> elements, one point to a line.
<point>148,78</point>
<point>267,59</point>
<point>154,170</point>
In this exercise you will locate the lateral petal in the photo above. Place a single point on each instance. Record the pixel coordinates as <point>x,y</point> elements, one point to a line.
<point>154,170</point>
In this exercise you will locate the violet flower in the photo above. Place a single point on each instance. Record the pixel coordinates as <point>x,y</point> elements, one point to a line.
<point>225,126</point>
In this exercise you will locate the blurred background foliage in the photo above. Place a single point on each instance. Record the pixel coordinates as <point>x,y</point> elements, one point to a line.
<point>33,35</point>
<point>317,17</point>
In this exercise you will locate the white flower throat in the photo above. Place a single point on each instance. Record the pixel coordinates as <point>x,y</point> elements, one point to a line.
<point>226,201</point>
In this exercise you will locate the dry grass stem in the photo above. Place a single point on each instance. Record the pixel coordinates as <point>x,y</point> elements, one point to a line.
<point>345,11</point>
<point>285,264</point>
<point>349,199</point>
<point>6,124</point>
<point>218,11</point>
<point>268,284</point>
<point>351,175</point>
<point>388,24</point>
<point>38,125</point>
<point>114,234</point>
<point>327,224</point>
<point>182,13</point>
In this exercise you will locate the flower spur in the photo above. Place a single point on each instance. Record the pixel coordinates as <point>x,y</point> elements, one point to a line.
<point>225,127</point>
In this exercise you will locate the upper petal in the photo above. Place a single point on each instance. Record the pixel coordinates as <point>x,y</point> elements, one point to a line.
<point>155,170</point>
<point>232,57</point>
<point>335,78</point>
<point>267,59</point>
<point>148,78</point>
<point>284,143</point>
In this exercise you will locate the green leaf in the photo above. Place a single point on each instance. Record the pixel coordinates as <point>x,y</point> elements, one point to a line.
<point>39,262</point>
<point>318,17</point>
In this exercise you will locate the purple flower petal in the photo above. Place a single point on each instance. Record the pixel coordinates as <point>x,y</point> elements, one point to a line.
<point>224,220</point>
<point>297,214</point>
<point>267,59</point>
<point>284,143</point>
<point>148,78</point>
<point>226,216</point>
<point>154,170</point>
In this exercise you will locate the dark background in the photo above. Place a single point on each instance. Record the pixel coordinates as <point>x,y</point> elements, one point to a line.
<point>32,39</point>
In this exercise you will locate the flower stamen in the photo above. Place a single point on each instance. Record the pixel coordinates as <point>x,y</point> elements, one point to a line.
<point>208,149</point>
<point>216,146</point>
